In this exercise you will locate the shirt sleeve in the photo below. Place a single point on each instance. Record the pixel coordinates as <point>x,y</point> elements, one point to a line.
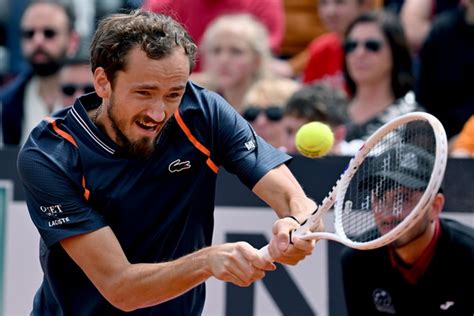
<point>232,141</point>
<point>241,150</point>
<point>54,192</point>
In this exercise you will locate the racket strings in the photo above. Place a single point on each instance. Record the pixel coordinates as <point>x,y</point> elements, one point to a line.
<point>389,183</point>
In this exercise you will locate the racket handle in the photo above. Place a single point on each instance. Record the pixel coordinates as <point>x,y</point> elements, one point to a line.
<point>265,254</point>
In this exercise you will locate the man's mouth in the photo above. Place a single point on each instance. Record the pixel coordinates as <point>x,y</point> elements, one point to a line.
<point>148,126</point>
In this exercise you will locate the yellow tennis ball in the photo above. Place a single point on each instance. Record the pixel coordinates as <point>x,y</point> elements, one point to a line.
<point>314,139</point>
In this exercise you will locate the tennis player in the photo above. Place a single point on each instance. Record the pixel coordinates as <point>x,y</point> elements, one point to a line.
<point>121,185</point>
<point>428,270</point>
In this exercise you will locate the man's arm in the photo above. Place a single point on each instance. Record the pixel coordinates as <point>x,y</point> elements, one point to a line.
<point>130,286</point>
<point>279,189</point>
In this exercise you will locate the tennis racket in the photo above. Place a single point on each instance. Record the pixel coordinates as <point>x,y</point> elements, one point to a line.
<point>386,187</point>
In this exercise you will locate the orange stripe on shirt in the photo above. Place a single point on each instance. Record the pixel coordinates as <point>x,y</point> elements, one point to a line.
<point>87,193</point>
<point>212,165</point>
<point>70,139</point>
<point>60,132</point>
<point>195,142</point>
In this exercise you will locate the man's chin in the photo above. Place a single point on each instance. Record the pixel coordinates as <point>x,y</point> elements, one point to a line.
<point>140,149</point>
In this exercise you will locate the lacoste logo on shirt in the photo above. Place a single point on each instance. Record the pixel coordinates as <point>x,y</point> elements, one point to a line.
<point>178,165</point>
<point>446,305</point>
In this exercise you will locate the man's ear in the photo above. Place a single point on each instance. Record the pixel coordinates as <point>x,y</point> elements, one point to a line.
<point>436,206</point>
<point>101,83</point>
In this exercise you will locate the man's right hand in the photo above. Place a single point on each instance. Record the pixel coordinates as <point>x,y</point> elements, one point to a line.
<point>238,263</point>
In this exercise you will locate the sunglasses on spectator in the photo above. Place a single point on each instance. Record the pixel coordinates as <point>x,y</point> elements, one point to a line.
<point>371,45</point>
<point>30,33</point>
<point>273,113</point>
<point>70,89</point>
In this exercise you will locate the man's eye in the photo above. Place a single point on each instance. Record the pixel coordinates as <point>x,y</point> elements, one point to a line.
<point>174,95</point>
<point>143,93</point>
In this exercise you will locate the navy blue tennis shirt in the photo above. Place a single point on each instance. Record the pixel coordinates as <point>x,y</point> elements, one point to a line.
<point>77,180</point>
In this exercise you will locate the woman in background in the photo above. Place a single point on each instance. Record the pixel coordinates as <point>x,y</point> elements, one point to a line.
<point>235,52</point>
<point>264,108</point>
<point>377,69</point>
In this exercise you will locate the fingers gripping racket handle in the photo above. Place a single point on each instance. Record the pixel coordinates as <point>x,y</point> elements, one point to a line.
<point>310,224</point>
<point>265,254</point>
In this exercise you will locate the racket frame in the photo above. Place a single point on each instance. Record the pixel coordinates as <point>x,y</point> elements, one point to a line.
<point>336,196</point>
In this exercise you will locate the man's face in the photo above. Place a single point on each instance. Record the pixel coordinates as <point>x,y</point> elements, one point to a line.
<point>392,207</point>
<point>46,38</point>
<point>144,96</point>
<point>231,59</point>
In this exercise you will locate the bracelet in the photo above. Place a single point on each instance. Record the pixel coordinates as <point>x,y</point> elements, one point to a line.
<point>293,218</point>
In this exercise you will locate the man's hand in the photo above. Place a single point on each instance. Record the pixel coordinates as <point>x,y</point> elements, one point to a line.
<point>280,247</point>
<point>238,263</point>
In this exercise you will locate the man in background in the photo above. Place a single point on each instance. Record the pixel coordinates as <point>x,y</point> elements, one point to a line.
<point>47,38</point>
<point>317,102</point>
<point>75,79</point>
<point>427,270</point>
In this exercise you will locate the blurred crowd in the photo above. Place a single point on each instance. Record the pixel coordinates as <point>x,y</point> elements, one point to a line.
<point>352,64</point>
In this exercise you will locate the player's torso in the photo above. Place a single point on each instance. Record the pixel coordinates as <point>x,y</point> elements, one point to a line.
<point>163,204</point>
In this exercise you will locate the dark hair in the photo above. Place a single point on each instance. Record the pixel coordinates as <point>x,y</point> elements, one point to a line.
<point>156,34</point>
<point>70,15</point>
<point>318,102</point>
<point>391,27</point>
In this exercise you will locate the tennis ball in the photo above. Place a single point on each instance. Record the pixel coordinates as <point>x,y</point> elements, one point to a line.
<point>314,139</point>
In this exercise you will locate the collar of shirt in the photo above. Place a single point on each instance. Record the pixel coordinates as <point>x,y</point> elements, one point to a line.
<point>412,273</point>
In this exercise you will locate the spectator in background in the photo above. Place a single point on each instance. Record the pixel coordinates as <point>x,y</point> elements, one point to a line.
<point>445,85</point>
<point>378,73</point>
<point>335,15</point>
<point>196,15</point>
<point>426,271</point>
<point>47,39</point>
<point>317,102</point>
<point>75,79</point>
<point>325,52</point>
<point>463,146</point>
<point>417,16</point>
<point>264,106</point>
<point>235,54</point>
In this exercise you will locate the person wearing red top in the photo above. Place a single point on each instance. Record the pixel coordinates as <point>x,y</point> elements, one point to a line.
<point>325,62</point>
<point>195,15</point>
<point>326,55</point>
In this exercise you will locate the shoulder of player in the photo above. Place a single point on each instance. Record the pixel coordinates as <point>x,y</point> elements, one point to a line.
<point>198,97</point>
<point>201,108</point>
<point>51,141</point>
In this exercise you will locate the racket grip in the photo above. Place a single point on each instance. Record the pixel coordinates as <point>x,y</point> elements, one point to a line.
<point>265,254</point>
